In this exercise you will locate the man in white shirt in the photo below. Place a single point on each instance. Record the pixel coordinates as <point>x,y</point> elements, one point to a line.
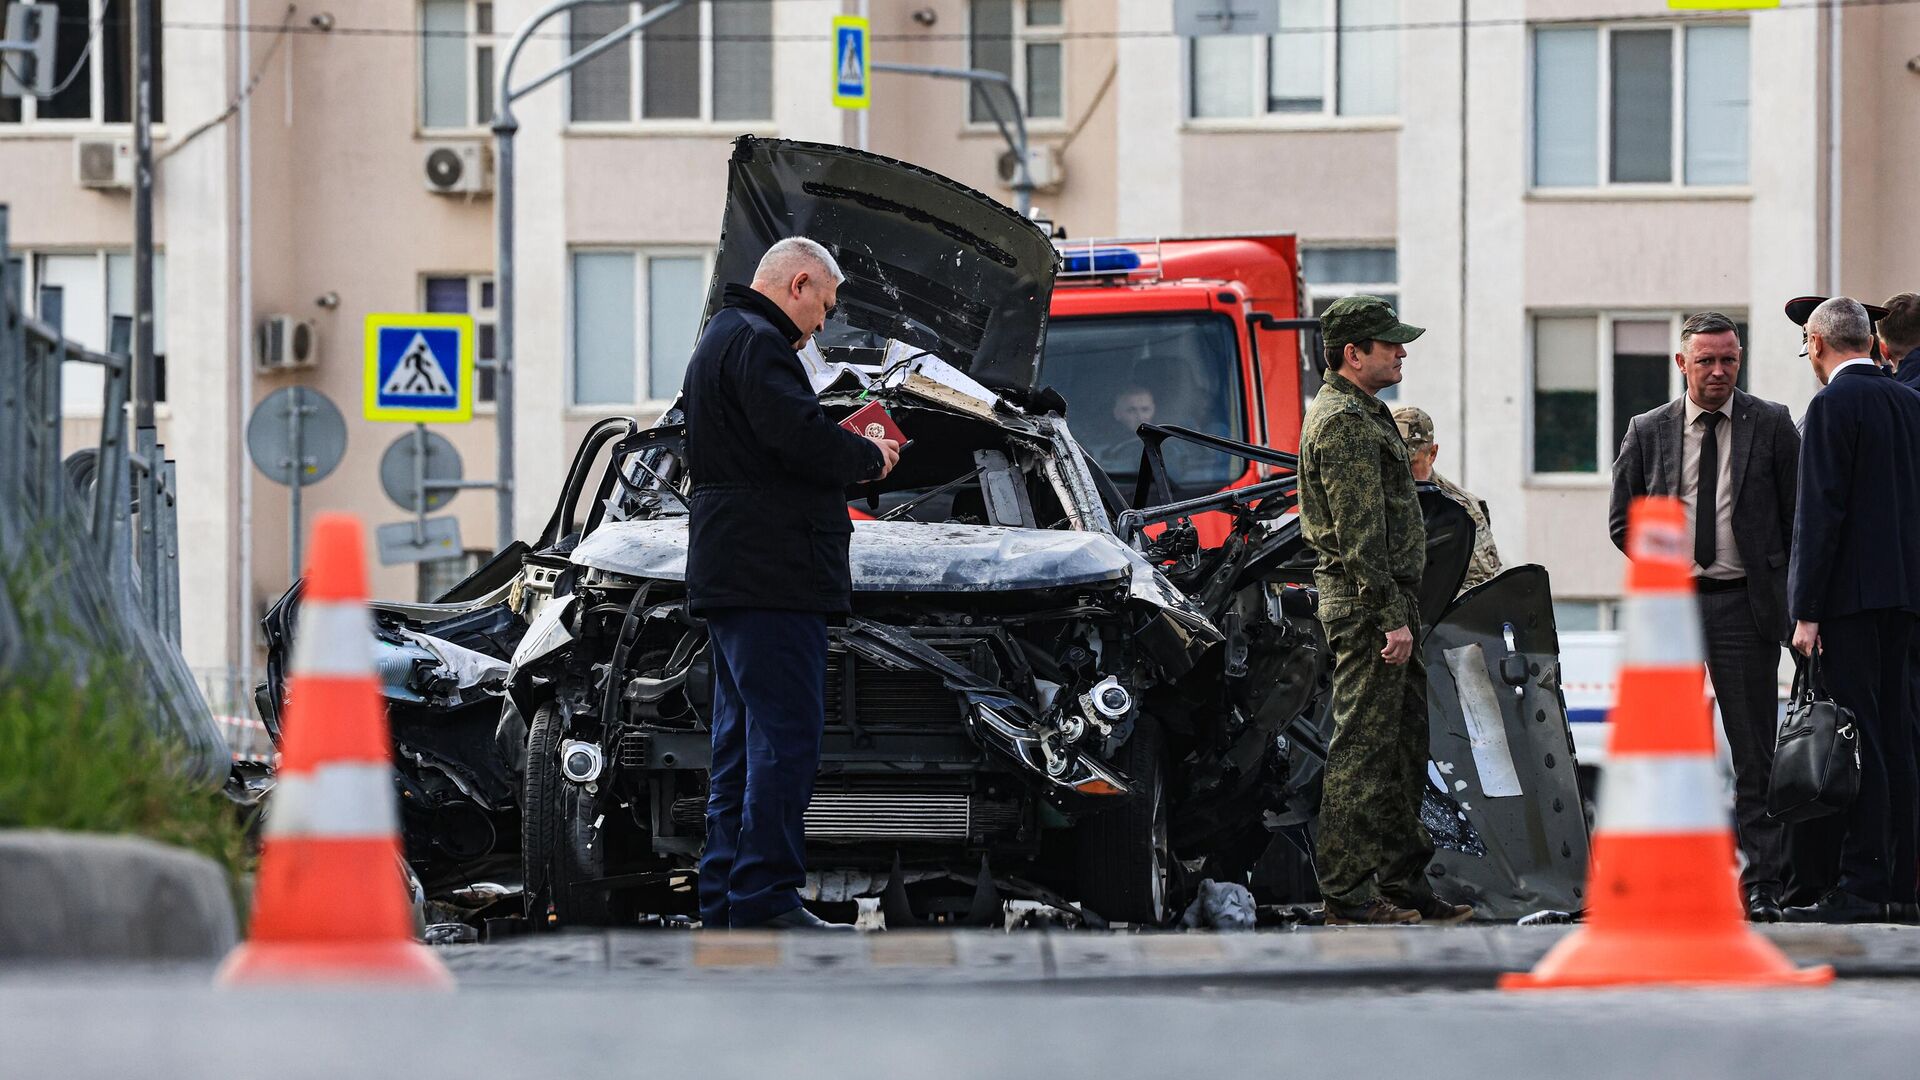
<point>1732,459</point>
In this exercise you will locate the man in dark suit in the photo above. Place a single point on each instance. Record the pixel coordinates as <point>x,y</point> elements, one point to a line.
<point>1854,594</point>
<point>1731,458</point>
<point>766,565</point>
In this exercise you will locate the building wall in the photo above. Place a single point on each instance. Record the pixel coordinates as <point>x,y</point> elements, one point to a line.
<point>337,208</point>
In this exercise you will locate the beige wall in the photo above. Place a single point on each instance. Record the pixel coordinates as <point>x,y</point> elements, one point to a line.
<point>1326,186</point>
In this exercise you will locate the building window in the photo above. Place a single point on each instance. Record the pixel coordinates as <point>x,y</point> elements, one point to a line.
<point>636,315</point>
<point>1574,616</point>
<point>91,288</point>
<point>93,68</point>
<point>1334,272</point>
<point>439,576</point>
<point>1330,58</point>
<point>468,294</point>
<point>456,64</point>
<point>1640,105</point>
<point>1594,373</point>
<point>708,61</point>
<point>1021,40</point>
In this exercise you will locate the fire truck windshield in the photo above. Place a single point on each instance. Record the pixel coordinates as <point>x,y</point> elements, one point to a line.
<point>1118,372</point>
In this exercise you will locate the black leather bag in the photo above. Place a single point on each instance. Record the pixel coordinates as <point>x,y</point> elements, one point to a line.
<point>1816,757</point>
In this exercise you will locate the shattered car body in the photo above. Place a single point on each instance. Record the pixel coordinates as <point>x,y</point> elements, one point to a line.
<point>1047,687</point>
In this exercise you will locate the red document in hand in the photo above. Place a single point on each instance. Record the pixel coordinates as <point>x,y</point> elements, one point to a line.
<point>872,421</point>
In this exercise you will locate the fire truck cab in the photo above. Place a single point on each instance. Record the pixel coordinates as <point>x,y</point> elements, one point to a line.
<point>1205,333</point>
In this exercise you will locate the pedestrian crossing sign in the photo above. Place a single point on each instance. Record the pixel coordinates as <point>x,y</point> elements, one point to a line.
<point>852,67</point>
<point>419,368</point>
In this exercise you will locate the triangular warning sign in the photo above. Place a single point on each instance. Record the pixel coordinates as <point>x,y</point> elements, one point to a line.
<point>418,374</point>
<point>852,71</point>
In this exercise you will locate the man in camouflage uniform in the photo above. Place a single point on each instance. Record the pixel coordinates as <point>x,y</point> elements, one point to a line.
<point>1416,430</point>
<point>1359,513</point>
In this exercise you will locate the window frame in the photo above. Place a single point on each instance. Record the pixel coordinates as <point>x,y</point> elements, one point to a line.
<point>1605,448</point>
<point>1603,106</point>
<point>477,41</point>
<point>30,293</point>
<point>1328,118</point>
<point>643,254</point>
<point>30,123</point>
<point>636,121</point>
<point>1024,34</point>
<point>482,315</point>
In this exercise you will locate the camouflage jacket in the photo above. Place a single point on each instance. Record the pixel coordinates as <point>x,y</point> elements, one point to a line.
<point>1358,509</point>
<point>1486,558</point>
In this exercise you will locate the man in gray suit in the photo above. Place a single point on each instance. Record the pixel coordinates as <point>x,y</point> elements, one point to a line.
<point>1733,460</point>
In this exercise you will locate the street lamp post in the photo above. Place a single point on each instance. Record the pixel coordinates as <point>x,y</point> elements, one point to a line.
<point>505,127</point>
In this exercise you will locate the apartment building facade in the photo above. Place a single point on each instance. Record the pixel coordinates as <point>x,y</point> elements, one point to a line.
<point>1547,185</point>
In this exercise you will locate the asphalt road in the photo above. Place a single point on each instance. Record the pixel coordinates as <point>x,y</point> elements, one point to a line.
<point>73,1025</point>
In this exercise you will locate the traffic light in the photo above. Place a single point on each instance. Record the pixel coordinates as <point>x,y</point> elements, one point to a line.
<point>26,53</point>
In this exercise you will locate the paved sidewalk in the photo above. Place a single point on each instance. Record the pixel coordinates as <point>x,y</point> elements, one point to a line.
<point>1466,955</point>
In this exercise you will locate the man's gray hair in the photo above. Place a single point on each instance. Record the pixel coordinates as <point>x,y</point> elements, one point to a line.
<point>1843,324</point>
<point>795,255</point>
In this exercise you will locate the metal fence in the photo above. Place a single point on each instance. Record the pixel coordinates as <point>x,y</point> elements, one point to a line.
<point>97,530</point>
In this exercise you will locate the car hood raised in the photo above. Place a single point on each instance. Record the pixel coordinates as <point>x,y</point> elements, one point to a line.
<point>928,261</point>
<point>893,556</point>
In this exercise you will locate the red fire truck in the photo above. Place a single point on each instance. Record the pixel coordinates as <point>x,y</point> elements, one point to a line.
<point>1204,333</point>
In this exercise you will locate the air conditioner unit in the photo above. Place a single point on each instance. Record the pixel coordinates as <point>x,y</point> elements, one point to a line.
<point>1044,167</point>
<point>459,167</point>
<point>103,163</point>
<point>284,343</point>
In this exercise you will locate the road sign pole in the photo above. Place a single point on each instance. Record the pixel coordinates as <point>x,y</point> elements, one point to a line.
<point>420,483</point>
<point>296,448</point>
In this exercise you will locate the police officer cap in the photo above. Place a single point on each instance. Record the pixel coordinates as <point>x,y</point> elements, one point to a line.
<point>1356,320</point>
<point>1416,427</point>
<point>1800,307</point>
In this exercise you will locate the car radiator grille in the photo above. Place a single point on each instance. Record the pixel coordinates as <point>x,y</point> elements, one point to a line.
<point>884,700</point>
<point>868,815</point>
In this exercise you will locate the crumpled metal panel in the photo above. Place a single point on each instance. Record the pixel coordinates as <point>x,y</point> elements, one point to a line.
<point>1503,804</point>
<point>894,556</point>
<point>928,261</point>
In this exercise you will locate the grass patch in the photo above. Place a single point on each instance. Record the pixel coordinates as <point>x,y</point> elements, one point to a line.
<point>77,751</point>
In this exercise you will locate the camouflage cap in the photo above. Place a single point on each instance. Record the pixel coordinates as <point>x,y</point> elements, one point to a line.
<point>1416,427</point>
<point>1355,320</point>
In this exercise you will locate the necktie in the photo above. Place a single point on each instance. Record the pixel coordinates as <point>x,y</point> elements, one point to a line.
<point>1706,500</point>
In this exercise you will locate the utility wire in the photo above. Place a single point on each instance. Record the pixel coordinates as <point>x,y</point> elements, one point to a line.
<point>286,24</point>
<point>1070,35</point>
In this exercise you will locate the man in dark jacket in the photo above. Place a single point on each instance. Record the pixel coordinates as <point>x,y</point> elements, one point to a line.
<point>1900,337</point>
<point>1731,458</point>
<point>1853,593</point>
<point>766,567</point>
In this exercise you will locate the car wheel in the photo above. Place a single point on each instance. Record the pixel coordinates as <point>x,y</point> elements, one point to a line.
<point>540,812</point>
<point>1125,866</point>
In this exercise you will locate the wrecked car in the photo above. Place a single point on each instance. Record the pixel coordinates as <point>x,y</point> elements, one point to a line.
<point>1048,689</point>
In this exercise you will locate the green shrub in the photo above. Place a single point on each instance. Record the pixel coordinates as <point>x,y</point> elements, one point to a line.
<point>77,753</point>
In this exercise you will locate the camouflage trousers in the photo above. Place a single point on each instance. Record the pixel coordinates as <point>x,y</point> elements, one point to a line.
<point>1370,838</point>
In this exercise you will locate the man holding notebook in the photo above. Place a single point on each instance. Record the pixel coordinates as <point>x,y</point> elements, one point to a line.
<point>766,567</point>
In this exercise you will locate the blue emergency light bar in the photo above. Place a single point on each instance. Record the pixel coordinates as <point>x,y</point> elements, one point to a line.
<point>1111,260</point>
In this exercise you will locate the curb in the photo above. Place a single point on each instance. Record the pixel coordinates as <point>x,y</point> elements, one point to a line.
<point>1464,957</point>
<point>77,896</point>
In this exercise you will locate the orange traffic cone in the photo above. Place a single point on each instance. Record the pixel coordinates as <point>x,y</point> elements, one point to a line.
<point>1664,901</point>
<point>329,906</point>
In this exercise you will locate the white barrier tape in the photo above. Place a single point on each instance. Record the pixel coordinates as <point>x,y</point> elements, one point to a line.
<point>1661,630</point>
<point>1661,793</point>
<point>342,801</point>
<point>333,639</point>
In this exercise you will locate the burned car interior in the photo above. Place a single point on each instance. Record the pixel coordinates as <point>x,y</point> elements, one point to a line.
<point>1048,688</point>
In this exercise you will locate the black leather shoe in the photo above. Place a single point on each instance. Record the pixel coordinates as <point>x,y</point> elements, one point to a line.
<point>1839,907</point>
<point>1903,913</point>
<point>800,919</point>
<point>1763,906</point>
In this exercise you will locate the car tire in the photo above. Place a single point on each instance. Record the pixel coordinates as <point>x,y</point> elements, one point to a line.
<point>540,812</point>
<point>1125,868</point>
